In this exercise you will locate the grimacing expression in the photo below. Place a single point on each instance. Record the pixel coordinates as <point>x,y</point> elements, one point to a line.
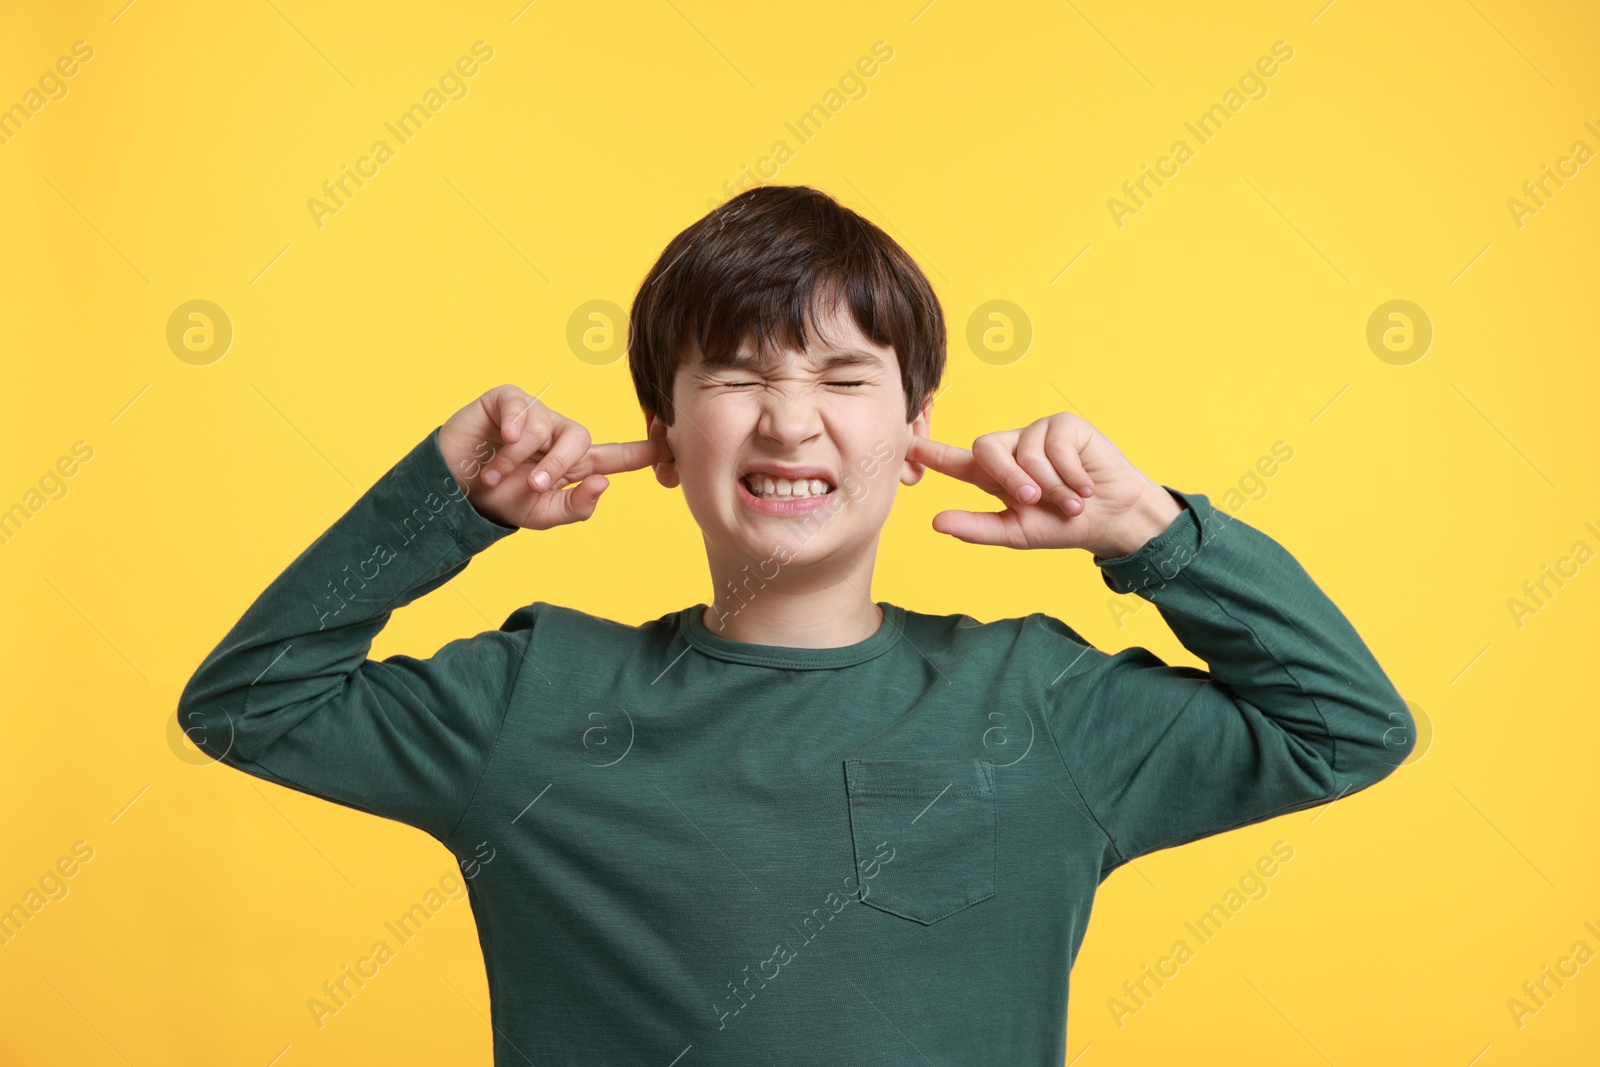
<point>837,409</point>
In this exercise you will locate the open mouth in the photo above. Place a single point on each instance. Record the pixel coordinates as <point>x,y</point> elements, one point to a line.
<point>766,487</point>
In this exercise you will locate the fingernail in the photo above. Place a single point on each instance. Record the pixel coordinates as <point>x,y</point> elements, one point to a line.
<point>491,476</point>
<point>1029,493</point>
<point>541,481</point>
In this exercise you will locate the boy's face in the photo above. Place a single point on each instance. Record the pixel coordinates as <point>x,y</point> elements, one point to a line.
<point>797,412</point>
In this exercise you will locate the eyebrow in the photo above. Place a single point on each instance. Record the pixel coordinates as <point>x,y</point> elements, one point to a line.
<point>848,358</point>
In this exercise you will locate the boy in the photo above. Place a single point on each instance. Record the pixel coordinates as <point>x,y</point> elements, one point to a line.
<point>777,828</point>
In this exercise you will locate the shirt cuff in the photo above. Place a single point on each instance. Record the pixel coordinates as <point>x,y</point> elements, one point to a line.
<point>1159,559</point>
<point>470,527</point>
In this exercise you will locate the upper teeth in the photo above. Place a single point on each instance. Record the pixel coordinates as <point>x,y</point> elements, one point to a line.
<point>783,487</point>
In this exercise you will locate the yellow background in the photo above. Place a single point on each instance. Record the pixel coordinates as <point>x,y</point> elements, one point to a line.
<point>1227,315</point>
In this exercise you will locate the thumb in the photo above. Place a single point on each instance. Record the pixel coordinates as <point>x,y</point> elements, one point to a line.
<point>973,527</point>
<point>581,499</point>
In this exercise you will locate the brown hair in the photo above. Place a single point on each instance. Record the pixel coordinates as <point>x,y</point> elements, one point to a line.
<point>760,266</point>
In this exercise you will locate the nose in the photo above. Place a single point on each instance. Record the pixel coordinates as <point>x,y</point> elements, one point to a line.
<point>789,415</point>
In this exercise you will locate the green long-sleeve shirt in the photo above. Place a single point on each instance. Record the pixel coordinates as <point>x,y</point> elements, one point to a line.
<point>685,850</point>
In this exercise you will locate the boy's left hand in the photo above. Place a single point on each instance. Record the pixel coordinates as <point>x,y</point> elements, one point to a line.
<point>1064,486</point>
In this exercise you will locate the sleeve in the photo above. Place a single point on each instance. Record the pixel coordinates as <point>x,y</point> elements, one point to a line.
<point>1293,712</point>
<point>289,695</point>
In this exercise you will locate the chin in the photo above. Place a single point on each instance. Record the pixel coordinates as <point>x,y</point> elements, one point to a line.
<point>774,546</point>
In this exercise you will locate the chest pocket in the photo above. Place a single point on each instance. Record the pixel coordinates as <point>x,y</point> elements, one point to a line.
<point>925,833</point>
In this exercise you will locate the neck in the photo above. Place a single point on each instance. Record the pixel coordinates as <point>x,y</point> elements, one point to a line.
<point>822,604</point>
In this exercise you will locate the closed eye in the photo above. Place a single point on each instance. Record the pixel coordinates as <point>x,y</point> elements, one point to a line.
<point>846,385</point>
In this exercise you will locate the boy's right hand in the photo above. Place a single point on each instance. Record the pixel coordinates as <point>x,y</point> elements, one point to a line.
<point>498,446</point>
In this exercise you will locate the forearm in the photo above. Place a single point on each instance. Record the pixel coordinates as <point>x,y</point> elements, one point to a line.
<point>1237,599</point>
<point>313,626</point>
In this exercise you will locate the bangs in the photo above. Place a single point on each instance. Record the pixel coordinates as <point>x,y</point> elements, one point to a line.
<point>762,269</point>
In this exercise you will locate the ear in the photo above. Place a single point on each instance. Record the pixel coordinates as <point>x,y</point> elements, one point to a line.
<point>911,472</point>
<point>667,470</point>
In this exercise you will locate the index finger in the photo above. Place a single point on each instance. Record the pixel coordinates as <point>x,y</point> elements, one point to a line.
<point>615,457</point>
<point>947,459</point>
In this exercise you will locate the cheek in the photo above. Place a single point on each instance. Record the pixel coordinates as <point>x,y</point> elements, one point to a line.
<point>703,473</point>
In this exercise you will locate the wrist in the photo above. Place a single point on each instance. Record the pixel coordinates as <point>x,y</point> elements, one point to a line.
<point>1147,519</point>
